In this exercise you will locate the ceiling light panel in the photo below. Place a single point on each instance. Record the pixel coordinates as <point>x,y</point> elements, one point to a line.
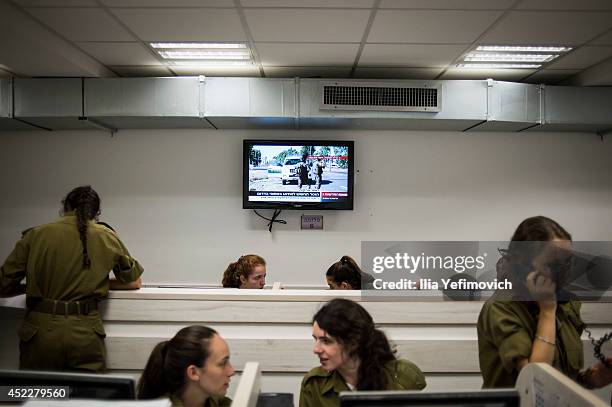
<point>511,56</point>
<point>202,54</point>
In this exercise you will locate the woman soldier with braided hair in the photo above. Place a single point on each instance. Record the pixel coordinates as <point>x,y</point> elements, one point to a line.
<point>354,355</point>
<point>66,264</point>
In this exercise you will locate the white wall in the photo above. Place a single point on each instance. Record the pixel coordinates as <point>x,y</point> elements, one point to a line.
<point>175,195</point>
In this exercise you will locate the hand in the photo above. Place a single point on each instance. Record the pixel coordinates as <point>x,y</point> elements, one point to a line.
<point>542,289</point>
<point>598,375</point>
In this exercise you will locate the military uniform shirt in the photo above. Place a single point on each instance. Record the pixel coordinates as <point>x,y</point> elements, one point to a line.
<point>506,331</point>
<point>51,258</point>
<point>321,388</point>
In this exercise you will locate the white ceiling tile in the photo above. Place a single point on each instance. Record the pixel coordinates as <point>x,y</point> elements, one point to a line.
<point>168,3</point>
<point>307,71</point>
<point>148,70</point>
<point>308,3</point>
<point>251,70</point>
<point>56,3</point>
<point>301,54</point>
<point>396,73</point>
<point>82,24</point>
<point>565,5</point>
<point>605,39</point>
<point>307,25</point>
<point>183,24</point>
<point>551,76</point>
<point>413,55</point>
<point>119,53</point>
<point>448,4</point>
<point>497,74</point>
<point>430,27</point>
<point>582,58</point>
<point>548,28</point>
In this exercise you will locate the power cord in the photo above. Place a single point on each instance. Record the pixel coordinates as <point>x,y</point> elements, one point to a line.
<point>273,220</point>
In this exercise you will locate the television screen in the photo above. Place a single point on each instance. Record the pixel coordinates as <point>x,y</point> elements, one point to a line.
<point>298,174</point>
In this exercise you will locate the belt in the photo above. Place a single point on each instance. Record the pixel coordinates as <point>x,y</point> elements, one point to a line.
<point>54,307</point>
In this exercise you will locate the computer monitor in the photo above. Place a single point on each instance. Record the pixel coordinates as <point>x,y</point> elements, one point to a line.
<point>80,385</point>
<point>480,398</point>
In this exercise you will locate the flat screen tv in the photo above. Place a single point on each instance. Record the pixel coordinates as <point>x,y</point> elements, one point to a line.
<point>290,174</point>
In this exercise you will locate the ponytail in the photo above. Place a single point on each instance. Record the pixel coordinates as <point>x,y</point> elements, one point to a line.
<point>152,384</point>
<point>374,352</point>
<point>85,202</point>
<point>164,373</point>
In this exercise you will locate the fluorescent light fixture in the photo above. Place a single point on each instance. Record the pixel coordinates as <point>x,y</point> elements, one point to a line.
<point>511,56</point>
<point>519,48</point>
<point>498,66</point>
<point>203,54</point>
<point>206,63</point>
<point>198,45</point>
<point>508,57</point>
<point>200,54</point>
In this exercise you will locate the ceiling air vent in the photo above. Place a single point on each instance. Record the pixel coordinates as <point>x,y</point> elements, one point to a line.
<point>381,96</point>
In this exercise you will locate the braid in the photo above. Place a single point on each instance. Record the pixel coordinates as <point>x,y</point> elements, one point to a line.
<point>82,227</point>
<point>85,202</point>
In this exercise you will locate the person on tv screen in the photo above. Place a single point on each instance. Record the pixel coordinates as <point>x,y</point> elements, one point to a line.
<point>354,355</point>
<point>66,264</point>
<point>249,271</point>
<point>534,325</point>
<point>191,369</point>
<point>347,275</point>
<point>303,170</point>
<point>317,172</point>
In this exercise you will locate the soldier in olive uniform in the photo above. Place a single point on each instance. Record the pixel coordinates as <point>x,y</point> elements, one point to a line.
<point>317,170</point>
<point>354,355</point>
<point>191,369</point>
<point>303,169</point>
<point>66,264</point>
<point>539,328</point>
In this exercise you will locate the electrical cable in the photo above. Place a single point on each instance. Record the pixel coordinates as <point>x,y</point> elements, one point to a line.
<point>273,219</point>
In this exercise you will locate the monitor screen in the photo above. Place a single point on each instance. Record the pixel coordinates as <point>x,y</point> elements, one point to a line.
<point>480,398</point>
<point>298,174</point>
<point>80,385</point>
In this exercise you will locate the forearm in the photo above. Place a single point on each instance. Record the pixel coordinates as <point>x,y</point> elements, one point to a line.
<point>115,284</point>
<point>543,347</point>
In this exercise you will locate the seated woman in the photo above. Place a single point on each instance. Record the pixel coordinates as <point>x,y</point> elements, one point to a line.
<point>192,369</point>
<point>347,275</point>
<point>249,271</point>
<point>353,355</point>
<point>535,325</point>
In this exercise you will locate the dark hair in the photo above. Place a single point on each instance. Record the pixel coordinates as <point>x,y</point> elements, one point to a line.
<point>533,229</point>
<point>241,268</point>
<point>85,202</point>
<point>167,364</point>
<point>347,270</point>
<point>352,326</point>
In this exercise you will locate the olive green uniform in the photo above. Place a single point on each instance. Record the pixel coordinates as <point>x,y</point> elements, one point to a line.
<point>210,402</point>
<point>62,329</point>
<point>506,330</point>
<point>321,388</point>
